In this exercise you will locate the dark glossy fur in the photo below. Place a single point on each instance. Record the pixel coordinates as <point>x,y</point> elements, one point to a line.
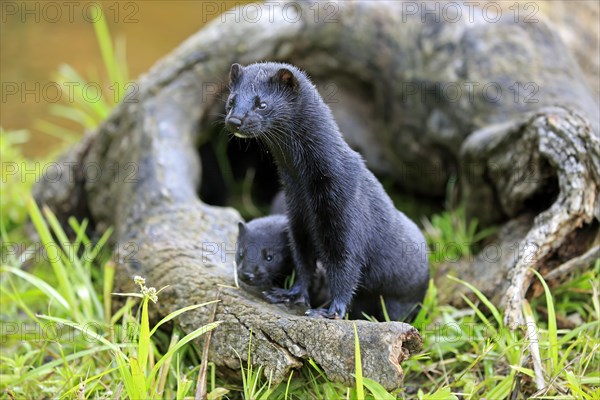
<point>338,211</point>
<point>264,258</point>
<point>278,204</point>
<point>268,236</point>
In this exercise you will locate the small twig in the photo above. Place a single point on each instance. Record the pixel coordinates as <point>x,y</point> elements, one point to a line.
<point>9,394</point>
<point>201,392</point>
<point>117,394</point>
<point>164,370</point>
<point>544,391</point>
<point>80,394</point>
<point>516,390</point>
<point>534,350</point>
<point>574,264</point>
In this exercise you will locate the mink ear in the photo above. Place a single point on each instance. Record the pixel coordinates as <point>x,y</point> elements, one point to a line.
<point>241,228</point>
<point>235,72</point>
<point>286,78</point>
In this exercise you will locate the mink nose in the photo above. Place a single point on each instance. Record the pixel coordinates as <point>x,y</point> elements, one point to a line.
<point>234,123</point>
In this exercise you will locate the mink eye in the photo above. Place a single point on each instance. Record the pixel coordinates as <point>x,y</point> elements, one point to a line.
<point>231,102</point>
<point>269,258</point>
<point>262,106</point>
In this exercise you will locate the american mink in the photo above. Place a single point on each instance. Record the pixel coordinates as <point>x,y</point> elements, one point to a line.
<point>338,211</point>
<point>278,203</point>
<point>264,259</point>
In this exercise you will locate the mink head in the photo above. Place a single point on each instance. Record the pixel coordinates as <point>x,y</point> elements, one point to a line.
<point>263,256</point>
<point>263,99</point>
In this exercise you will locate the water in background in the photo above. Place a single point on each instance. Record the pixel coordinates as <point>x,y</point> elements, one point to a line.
<point>36,37</point>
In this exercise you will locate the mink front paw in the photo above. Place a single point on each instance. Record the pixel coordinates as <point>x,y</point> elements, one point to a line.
<point>321,313</point>
<point>278,295</point>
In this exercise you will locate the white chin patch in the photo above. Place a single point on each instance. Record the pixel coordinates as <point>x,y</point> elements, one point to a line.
<point>240,135</point>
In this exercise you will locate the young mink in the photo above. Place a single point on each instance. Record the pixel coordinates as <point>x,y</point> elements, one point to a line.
<point>264,259</point>
<point>338,211</point>
<point>263,255</point>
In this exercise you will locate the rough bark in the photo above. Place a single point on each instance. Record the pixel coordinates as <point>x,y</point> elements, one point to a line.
<point>558,156</point>
<point>391,73</point>
<point>575,264</point>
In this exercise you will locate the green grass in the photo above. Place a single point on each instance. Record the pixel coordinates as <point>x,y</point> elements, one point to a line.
<point>16,185</point>
<point>61,339</point>
<point>451,237</point>
<point>106,89</point>
<point>472,353</point>
<point>71,300</point>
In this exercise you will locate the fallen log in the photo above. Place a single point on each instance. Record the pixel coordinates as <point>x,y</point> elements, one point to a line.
<point>391,70</point>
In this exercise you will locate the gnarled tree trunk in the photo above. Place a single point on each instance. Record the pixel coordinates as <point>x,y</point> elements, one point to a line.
<point>422,99</point>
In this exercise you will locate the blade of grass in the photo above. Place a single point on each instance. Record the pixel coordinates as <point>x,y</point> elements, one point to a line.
<point>386,316</point>
<point>575,386</point>
<point>80,278</point>
<point>138,379</point>
<point>126,377</point>
<point>360,390</point>
<point>526,371</point>
<point>488,347</point>
<point>85,330</point>
<point>91,112</point>
<point>57,131</point>
<point>122,311</point>
<point>106,48</point>
<point>377,390</point>
<point>430,301</point>
<point>577,331</point>
<point>80,232</point>
<point>11,259</point>
<point>56,262</point>
<point>480,315</point>
<point>483,299</point>
<point>313,379</point>
<point>552,328</point>
<point>443,393</point>
<point>17,298</point>
<point>201,384</point>
<point>144,339</point>
<point>175,314</point>
<point>186,339</point>
<point>38,283</point>
<point>96,249</point>
<point>74,114</point>
<point>251,382</point>
<point>121,58</point>
<point>502,389</point>
<point>47,367</point>
<point>287,386</point>
<point>88,380</point>
<point>107,288</point>
<point>77,227</point>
